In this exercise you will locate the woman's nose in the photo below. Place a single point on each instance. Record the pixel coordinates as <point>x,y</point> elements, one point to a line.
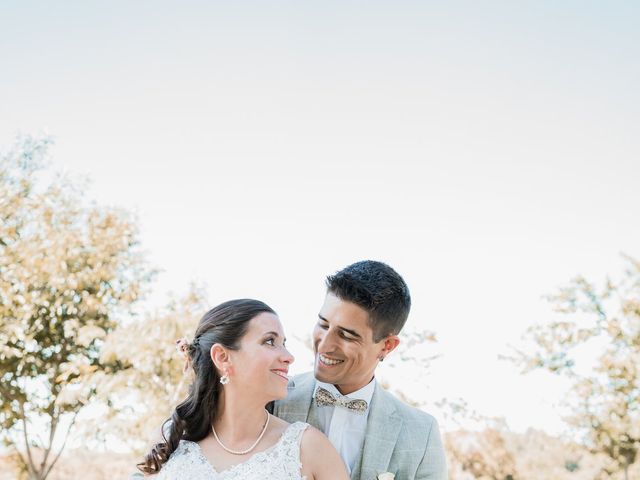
<point>288,358</point>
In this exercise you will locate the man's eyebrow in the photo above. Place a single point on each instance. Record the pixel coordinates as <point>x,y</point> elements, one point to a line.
<point>347,330</point>
<point>350,332</point>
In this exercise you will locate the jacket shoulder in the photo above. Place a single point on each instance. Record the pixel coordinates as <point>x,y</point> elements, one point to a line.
<point>411,415</point>
<point>302,380</point>
<point>423,428</point>
<point>420,431</point>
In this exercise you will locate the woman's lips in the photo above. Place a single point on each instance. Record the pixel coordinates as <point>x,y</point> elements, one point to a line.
<point>281,374</point>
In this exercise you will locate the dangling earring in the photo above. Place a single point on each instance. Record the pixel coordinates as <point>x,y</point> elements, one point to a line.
<point>381,359</point>
<point>224,379</point>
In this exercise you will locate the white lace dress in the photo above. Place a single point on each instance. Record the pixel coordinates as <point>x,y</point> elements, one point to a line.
<point>278,462</point>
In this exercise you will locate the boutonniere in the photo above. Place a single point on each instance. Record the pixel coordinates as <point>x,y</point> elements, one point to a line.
<point>386,476</point>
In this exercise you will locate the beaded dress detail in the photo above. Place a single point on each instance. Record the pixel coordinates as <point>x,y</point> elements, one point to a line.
<point>278,462</point>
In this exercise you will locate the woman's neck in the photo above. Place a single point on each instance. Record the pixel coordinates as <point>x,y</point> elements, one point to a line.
<point>239,420</point>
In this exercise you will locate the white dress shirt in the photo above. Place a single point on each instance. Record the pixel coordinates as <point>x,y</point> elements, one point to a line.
<point>346,428</point>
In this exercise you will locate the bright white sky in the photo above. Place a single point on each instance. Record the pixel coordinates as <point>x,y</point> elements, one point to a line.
<point>487,151</point>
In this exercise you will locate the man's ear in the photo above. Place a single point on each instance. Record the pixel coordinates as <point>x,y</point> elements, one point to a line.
<point>220,358</point>
<point>389,345</point>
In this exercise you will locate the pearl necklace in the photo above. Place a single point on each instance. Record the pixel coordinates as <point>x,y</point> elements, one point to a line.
<point>243,452</point>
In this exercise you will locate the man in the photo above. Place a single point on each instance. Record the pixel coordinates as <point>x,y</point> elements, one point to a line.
<point>366,306</point>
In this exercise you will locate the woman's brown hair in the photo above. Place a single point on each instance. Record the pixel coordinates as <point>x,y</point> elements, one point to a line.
<point>225,324</point>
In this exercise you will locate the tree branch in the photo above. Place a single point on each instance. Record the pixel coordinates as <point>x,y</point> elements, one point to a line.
<point>31,466</point>
<point>54,414</point>
<point>66,437</point>
<point>52,433</point>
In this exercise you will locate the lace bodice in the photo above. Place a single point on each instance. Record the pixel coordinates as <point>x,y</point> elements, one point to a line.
<point>278,462</point>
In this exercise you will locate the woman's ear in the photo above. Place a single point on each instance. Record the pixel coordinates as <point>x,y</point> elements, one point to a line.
<point>220,358</point>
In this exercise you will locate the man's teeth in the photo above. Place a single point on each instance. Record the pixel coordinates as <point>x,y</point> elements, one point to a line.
<point>329,361</point>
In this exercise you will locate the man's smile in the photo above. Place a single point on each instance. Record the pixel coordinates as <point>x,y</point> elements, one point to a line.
<point>328,360</point>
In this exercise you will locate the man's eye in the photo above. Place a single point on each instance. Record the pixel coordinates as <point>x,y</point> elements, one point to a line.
<point>324,326</point>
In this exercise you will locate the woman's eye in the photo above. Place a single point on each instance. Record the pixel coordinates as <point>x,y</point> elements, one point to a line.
<point>271,342</point>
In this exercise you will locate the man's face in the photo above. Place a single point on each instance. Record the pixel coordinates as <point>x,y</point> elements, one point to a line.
<point>345,353</point>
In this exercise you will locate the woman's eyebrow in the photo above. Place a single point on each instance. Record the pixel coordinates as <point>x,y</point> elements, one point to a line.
<point>275,334</point>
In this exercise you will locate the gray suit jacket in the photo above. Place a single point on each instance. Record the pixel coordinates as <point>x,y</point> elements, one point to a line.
<point>399,439</point>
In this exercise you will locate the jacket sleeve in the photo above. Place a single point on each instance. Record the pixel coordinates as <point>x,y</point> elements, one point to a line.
<point>434,462</point>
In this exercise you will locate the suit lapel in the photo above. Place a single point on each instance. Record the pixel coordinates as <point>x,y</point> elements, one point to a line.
<point>383,428</point>
<point>312,417</point>
<point>357,467</point>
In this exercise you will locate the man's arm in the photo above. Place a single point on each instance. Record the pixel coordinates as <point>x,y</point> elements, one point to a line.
<point>434,462</point>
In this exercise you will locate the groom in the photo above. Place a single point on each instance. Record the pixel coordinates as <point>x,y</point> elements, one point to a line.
<point>366,306</point>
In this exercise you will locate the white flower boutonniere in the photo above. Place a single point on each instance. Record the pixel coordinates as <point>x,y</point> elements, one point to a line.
<point>386,476</point>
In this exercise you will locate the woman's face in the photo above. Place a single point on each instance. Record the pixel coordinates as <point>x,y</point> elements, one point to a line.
<point>260,367</point>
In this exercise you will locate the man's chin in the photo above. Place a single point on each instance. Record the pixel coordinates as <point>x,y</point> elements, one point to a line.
<point>323,377</point>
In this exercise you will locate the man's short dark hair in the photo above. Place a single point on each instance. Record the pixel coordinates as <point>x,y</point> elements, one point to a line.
<point>377,288</point>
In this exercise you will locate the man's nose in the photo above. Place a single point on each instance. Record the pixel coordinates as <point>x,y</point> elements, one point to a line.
<point>326,342</point>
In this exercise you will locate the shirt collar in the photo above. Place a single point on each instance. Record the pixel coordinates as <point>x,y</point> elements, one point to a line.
<point>365,393</point>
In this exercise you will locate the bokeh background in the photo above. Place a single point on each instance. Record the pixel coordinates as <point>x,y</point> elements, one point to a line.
<point>158,159</point>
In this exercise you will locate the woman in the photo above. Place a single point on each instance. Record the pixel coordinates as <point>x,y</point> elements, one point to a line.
<point>222,430</point>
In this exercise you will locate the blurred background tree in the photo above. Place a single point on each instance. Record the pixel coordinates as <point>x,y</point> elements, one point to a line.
<point>605,395</point>
<point>149,377</point>
<point>69,271</point>
<point>71,275</point>
<point>484,455</point>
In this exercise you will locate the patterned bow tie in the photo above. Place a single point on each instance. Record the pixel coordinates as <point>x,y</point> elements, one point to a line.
<point>326,398</point>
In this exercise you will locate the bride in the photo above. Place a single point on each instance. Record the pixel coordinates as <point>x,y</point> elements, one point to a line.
<point>222,429</point>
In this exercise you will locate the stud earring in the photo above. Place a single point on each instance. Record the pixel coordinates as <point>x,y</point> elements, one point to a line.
<point>224,379</point>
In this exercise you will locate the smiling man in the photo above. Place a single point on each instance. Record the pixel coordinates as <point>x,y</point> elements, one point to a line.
<point>366,306</point>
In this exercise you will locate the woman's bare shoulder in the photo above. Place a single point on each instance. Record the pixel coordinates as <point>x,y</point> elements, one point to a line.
<point>314,438</point>
<point>319,458</point>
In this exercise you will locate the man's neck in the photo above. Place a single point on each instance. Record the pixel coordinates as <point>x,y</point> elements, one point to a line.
<point>346,389</point>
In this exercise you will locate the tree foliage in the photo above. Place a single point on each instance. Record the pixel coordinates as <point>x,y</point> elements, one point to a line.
<point>150,379</point>
<point>484,455</point>
<point>605,394</point>
<point>69,270</point>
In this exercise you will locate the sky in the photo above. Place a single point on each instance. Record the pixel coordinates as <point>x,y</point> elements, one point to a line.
<point>487,151</point>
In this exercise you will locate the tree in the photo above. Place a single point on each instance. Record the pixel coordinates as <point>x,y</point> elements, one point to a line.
<point>69,270</point>
<point>150,379</point>
<point>477,446</point>
<point>607,392</point>
<point>485,454</point>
